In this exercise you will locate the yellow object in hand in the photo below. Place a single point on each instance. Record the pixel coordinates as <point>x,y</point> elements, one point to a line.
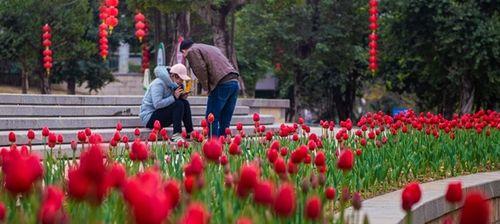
<point>187,86</point>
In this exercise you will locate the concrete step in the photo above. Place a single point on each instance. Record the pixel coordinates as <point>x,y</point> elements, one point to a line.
<point>38,149</point>
<point>17,123</point>
<point>106,133</point>
<point>123,100</point>
<point>88,111</point>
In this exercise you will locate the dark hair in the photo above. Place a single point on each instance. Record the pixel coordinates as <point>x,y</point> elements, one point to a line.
<point>186,44</point>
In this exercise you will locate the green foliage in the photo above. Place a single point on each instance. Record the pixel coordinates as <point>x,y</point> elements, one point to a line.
<point>74,39</point>
<point>431,44</point>
<point>320,47</point>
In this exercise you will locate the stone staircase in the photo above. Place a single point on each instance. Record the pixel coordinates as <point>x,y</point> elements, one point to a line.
<point>66,115</point>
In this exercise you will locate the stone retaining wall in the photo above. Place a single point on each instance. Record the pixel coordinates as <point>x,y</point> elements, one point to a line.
<point>432,208</point>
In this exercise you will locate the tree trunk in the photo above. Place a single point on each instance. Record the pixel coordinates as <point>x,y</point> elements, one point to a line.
<point>182,24</point>
<point>24,81</point>
<point>44,83</point>
<point>222,37</point>
<point>71,85</point>
<point>296,94</point>
<point>448,106</point>
<point>466,95</point>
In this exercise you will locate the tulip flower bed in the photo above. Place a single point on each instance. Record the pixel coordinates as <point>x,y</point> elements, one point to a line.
<point>280,176</point>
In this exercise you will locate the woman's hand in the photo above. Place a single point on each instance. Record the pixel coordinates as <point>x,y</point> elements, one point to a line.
<point>184,96</point>
<point>178,92</point>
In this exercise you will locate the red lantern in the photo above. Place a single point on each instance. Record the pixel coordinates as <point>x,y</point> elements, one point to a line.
<point>373,11</point>
<point>47,52</point>
<point>145,57</point>
<point>140,26</point>
<point>113,3</point>
<point>103,13</point>
<point>47,59</point>
<point>139,17</point>
<point>112,11</point>
<point>111,22</point>
<point>140,34</point>
<point>46,43</point>
<point>103,41</point>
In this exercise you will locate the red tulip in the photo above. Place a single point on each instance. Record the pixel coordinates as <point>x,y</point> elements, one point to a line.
<point>356,201</point>
<point>137,132</point>
<point>78,184</point>
<point>346,160</point>
<point>301,121</point>
<point>172,188</point>
<point>312,145</point>
<point>244,220</point>
<point>249,176</point>
<point>283,151</point>
<point>51,210</point>
<point>454,192</point>
<point>272,155</point>
<point>264,193</point>
<point>284,203</point>
<point>279,165</point>
<point>195,166</point>
<point>256,117</point>
<point>212,149</point>
<point>147,197</point>
<point>60,139</point>
<point>45,131</point>
<point>411,195</point>
<point>223,160</point>
<point>195,213</point>
<point>153,137</point>
<point>320,159</point>
<point>313,208</point>
<point>119,126</point>
<point>73,145</point>
<point>299,154</point>
<point>234,149</point>
<point>210,118</point>
<point>358,152</point>
<point>117,174</point>
<point>189,184</point>
<point>12,137</point>
<point>239,126</point>
<point>228,131</point>
<point>88,132</point>
<point>292,167</point>
<point>330,193</point>
<point>476,209</point>
<point>20,171</point>
<point>81,136</point>
<point>139,151</point>
<point>3,210</point>
<point>308,159</point>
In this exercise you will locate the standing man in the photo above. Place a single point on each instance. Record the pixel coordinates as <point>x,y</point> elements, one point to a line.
<point>218,77</point>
